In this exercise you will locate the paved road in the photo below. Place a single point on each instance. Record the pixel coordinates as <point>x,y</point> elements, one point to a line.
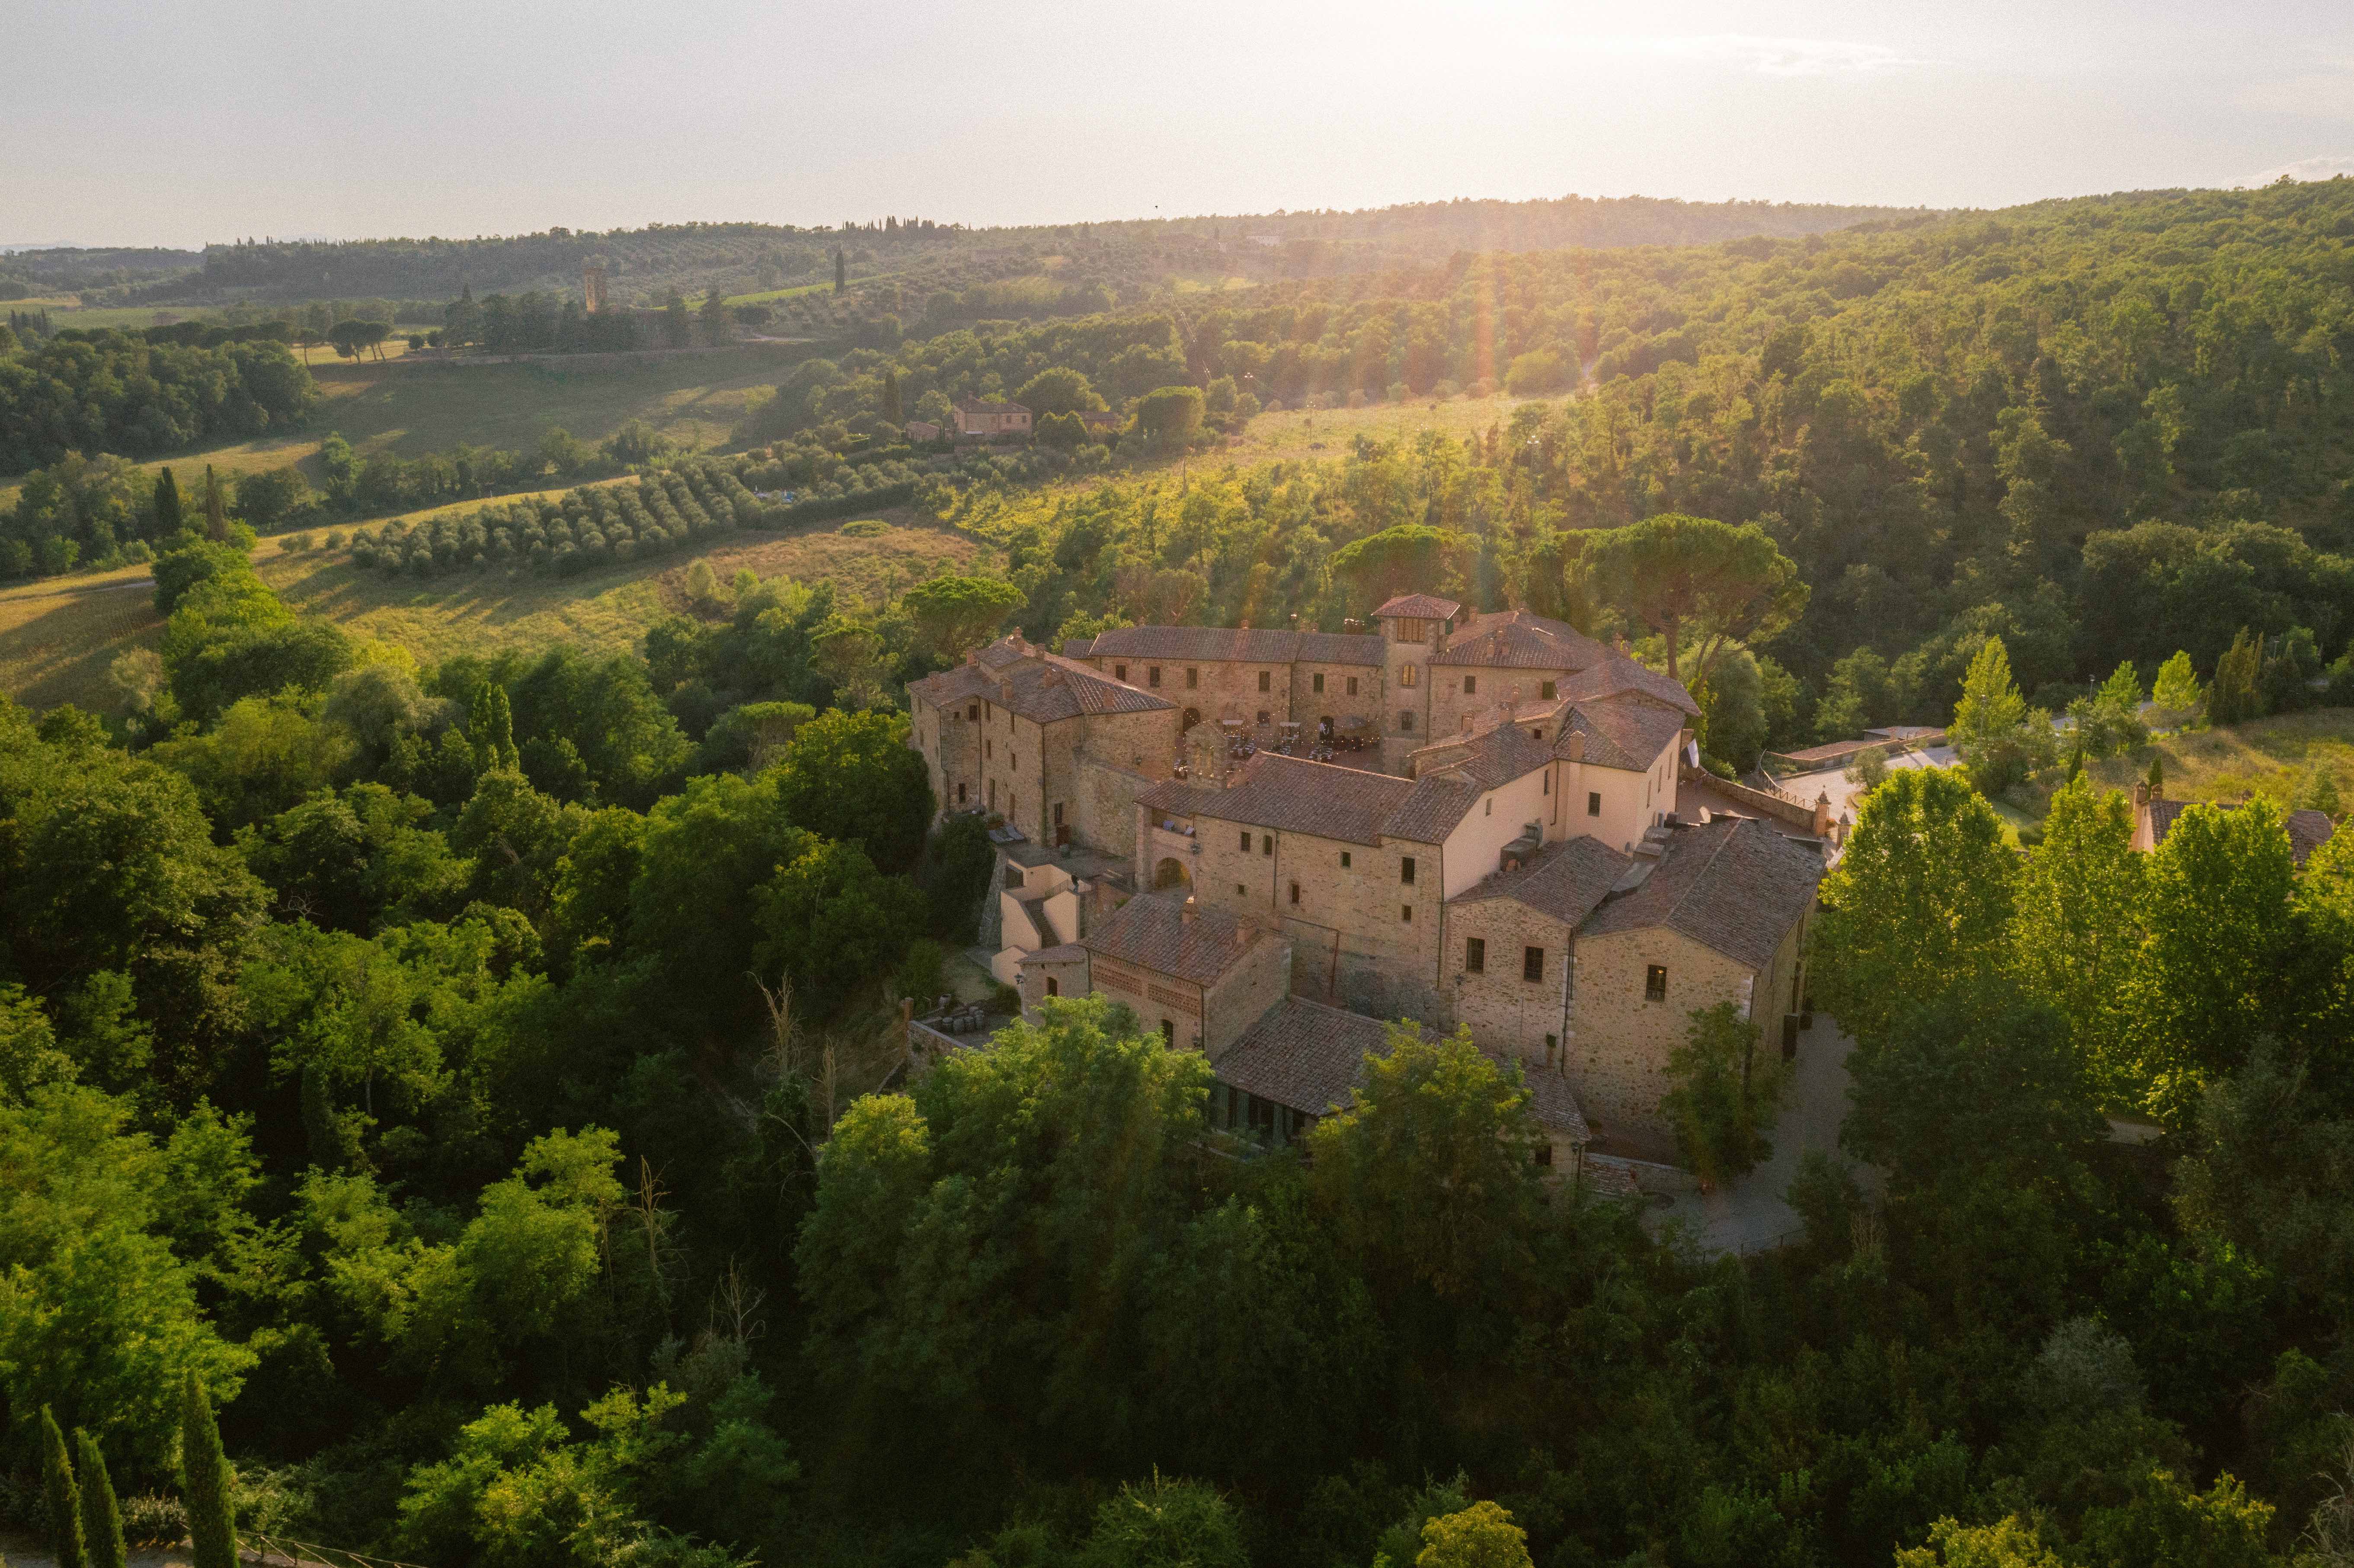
<point>1753,1215</point>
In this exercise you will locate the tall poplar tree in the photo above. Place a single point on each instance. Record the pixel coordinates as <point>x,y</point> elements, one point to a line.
<point>62,1497</point>
<point>215,508</point>
<point>101,1513</point>
<point>204,1481</point>
<point>490,726</point>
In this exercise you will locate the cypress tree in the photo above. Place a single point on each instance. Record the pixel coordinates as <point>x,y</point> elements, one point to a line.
<point>168,518</point>
<point>892,413</point>
<point>62,1497</point>
<point>102,1515</point>
<point>841,271</point>
<point>490,726</point>
<point>215,509</point>
<point>204,1481</point>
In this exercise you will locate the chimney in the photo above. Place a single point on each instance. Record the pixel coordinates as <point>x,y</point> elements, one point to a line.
<point>1187,913</point>
<point>1823,814</point>
<point>1005,694</point>
<point>1576,747</point>
<point>2141,796</point>
<point>972,655</point>
<point>1053,677</point>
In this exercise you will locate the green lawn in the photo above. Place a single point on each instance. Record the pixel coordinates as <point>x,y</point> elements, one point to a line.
<point>2275,758</point>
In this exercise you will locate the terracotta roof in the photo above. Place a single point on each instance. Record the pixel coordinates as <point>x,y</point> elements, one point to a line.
<point>2308,829</point>
<point>1618,675</point>
<point>1419,607</point>
<point>1099,419</point>
<point>1241,644</point>
<point>1077,647</point>
<point>1061,953</point>
<point>1045,687</point>
<point>1735,885</point>
<point>1352,805</point>
<point>1626,732</point>
<point>1490,757</point>
<point>1567,880</point>
<point>1311,1057</point>
<point>1516,639</point>
<point>1150,932</point>
<point>982,405</point>
<point>1432,811</point>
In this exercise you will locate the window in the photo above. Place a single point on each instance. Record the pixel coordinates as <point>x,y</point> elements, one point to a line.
<point>1407,676</point>
<point>1533,963</point>
<point>1238,891</point>
<point>1119,671</point>
<point>1245,840</point>
<point>1316,685</point>
<point>1488,807</point>
<point>1545,1152</point>
<point>1470,686</point>
<point>1152,675</point>
<point>1544,690</point>
<point>1344,860</point>
<point>1058,813</point>
<point>972,714</point>
<point>1192,677</point>
<point>1405,913</point>
<point>1264,679</point>
<point>1475,955</point>
<point>1405,870</point>
<point>1548,778</point>
<point>1406,722</point>
<point>1054,986</point>
<point>1593,803</point>
<point>1413,631</point>
<point>1262,716</point>
<point>1168,1033</point>
<point>1295,892</point>
<point>1352,685</point>
<point>1266,843</point>
<point>988,751</point>
<point>960,794</point>
<point>1655,983</point>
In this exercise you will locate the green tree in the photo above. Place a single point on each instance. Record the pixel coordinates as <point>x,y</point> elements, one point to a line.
<point>1430,1171</point>
<point>1165,1523</point>
<point>1990,723</point>
<point>2077,934</point>
<point>1923,892</point>
<point>205,1481</point>
<point>834,924</point>
<point>1408,557</point>
<point>490,726</point>
<point>1058,389</point>
<point>61,1497</point>
<point>215,508</point>
<point>2208,983</point>
<point>892,413</point>
<point>1698,581</point>
<point>2237,694</point>
<point>1721,1096</point>
<point>165,508</point>
<point>954,613</point>
<point>1170,416</point>
<point>716,328</point>
<point>101,1514</point>
<point>2009,1543</point>
<point>678,326</point>
<point>852,778</point>
<point>1481,1536</point>
<point>2177,693</point>
<point>841,271</point>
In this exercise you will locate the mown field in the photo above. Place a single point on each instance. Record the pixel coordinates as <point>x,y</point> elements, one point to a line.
<point>695,399</point>
<point>58,635</point>
<point>2275,758</point>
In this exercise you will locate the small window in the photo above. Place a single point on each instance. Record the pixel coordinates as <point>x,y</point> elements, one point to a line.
<point>1344,860</point>
<point>1245,840</point>
<point>1295,892</point>
<point>1238,891</point>
<point>988,751</point>
<point>1488,807</point>
<point>960,794</point>
<point>1470,686</point>
<point>972,714</point>
<point>1548,778</point>
<point>1152,675</point>
<point>1316,685</point>
<point>1406,722</point>
<point>1168,1033</point>
<point>1544,690</point>
<point>1192,677</point>
<point>1352,685</point>
<point>1475,955</point>
<point>1264,679</point>
<point>1655,983</point>
<point>1405,870</point>
<point>1054,986</point>
<point>1406,676</point>
<point>1058,813</point>
<point>1545,1152</point>
<point>1533,963</point>
<point>1119,671</point>
<point>1262,716</point>
<point>1593,803</point>
<point>1266,843</point>
<point>1405,913</point>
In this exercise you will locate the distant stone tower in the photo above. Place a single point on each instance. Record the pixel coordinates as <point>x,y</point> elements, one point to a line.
<point>592,287</point>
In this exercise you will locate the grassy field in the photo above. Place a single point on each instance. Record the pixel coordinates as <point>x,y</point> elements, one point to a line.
<point>382,409</point>
<point>58,636</point>
<point>2275,758</point>
<point>1328,432</point>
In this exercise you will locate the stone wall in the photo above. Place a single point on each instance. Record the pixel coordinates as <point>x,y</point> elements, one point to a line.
<point>1103,804</point>
<point>1620,1041</point>
<point>1507,1012</point>
<point>1242,997</point>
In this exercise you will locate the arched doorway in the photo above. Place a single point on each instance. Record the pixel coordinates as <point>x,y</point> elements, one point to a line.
<point>1192,717</point>
<point>1169,872</point>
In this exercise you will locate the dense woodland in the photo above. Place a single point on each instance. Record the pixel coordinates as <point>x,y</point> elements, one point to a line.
<point>462,1072</point>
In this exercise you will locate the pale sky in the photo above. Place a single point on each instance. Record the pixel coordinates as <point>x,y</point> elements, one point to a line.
<point>177,121</point>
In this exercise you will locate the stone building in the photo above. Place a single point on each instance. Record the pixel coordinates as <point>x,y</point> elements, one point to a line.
<point>1516,864</point>
<point>988,420</point>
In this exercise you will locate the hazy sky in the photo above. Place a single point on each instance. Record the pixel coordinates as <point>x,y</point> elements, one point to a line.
<point>176,121</point>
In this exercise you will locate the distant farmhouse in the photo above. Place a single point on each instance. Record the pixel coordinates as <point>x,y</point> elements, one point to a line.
<point>1266,842</point>
<point>975,417</point>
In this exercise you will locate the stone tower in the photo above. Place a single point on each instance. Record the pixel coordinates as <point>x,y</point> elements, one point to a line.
<point>592,287</point>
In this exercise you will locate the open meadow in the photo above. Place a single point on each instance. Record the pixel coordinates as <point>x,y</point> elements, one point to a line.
<point>58,635</point>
